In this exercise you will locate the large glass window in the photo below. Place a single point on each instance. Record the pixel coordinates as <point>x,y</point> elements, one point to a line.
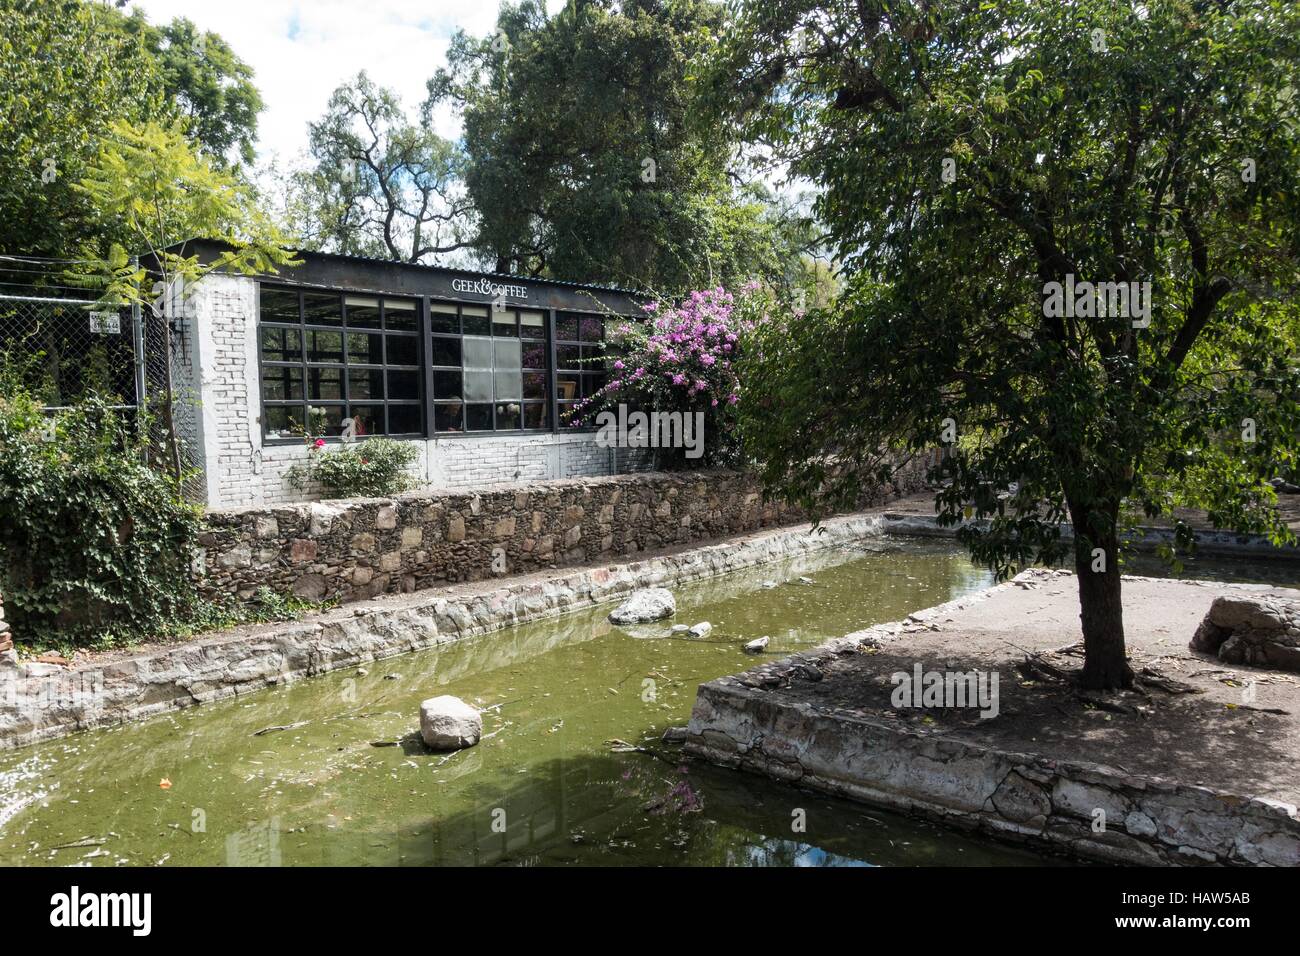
<point>331,359</point>
<point>579,359</point>
<point>489,368</point>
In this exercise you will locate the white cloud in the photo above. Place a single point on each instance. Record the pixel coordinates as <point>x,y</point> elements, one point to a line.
<point>301,51</point>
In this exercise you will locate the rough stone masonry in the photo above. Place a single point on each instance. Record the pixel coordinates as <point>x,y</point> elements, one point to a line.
<point>360,548</point>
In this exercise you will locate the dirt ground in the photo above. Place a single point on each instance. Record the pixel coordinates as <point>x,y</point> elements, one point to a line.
<point>1195,720</point>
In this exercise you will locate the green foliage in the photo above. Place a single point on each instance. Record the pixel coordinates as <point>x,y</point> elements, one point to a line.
<point>66,72</point>
<point>72,68</point>
<point>1104,141</point>
<point>371,468</point>
<point>584,159</point>
<point>94,545</point>
<point>210,87</point>
<point>379,185</point>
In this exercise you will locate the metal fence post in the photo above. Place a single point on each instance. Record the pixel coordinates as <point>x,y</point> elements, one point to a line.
<point>137,327</point>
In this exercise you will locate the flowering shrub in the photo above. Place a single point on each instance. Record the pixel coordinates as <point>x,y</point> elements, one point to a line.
<point>684,361</point>
<point>372,468</point>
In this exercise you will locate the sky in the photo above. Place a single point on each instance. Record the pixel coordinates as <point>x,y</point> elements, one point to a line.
<point>301,51</point>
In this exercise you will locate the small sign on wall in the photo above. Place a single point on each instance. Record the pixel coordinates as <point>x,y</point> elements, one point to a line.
<point>105,323</point>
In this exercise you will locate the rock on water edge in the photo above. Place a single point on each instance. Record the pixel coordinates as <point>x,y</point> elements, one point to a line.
<point>757,646</point>
<point>643,605</point>
<point>701,629</point>
<point>448,723</point>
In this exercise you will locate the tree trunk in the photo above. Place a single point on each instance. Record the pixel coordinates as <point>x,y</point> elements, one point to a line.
<point>1105,666</point>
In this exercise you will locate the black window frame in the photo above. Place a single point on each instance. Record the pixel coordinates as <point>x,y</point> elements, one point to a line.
<point>589,376</point>
<point>346,402</point>
<point>494,311</point>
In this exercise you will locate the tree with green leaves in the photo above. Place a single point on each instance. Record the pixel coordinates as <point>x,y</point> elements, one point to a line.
<point>1071,241</point>
<point>67,70</point>
<point>149,184</point>
<point>209,87</point>
<point>584,161</point>
<point>379,185</point>
<point>71,67</point>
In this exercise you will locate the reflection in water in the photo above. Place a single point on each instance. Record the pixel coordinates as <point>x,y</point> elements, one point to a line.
<point>353,785</point>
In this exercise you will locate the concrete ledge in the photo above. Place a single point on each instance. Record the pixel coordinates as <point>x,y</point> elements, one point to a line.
<point>41,701</point>
<point>821,719</point>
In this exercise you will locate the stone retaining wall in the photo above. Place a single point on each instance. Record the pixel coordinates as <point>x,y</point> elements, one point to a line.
<point>359,548</point>
<point>1024,797</point>
<point>45,701</point>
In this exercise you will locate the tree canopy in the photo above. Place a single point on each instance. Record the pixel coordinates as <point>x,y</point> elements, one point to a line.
<point>982,165</point>
<point>584,161</point>
<point>71,68</point>
<point>378,184</point>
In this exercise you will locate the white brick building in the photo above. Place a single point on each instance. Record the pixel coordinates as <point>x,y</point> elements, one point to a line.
<point>477,370</point>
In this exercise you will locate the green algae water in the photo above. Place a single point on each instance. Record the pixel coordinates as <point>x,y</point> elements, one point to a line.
<point>346,781</point>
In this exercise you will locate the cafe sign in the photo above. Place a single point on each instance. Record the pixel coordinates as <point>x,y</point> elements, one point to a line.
<point>489,288</point>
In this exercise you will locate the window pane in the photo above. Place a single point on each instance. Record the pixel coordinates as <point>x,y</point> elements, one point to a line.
<point>446,351</point>
<point>403,350</point>
<point>506,354</point>
<point>478,352</point>
<point>363,312</point>
<point>365,348</point>
<point>320,309</point>
<point>566,326</point>
<point>325,383</point>
<point>326,419</point>
<point>566,356</point>
<point>403,384</point>
<point>532,325</point>
<point>281,382</point>
<point>478,385</point>
<point>399,315</point>
<point>507,416</point>
<point>365,383</point>
<point>443,317</point>
<point>503,322</point>
<point>591,384</point>
<point>281,345</point>
<point>405,419</point>
<point>592,328</point>
<point>447,385</point>
<point>535,415</point>
<point>534,355</point>
<point>283,421</point>
<point>475,319</point>
<point>280,305</point>
<point>566,386</point>
<point>447,417</point>
<point>368,420</point>
<point>534,385</point>
<point>478,418</point>
<point>508,385</point>
<point>324,346</point>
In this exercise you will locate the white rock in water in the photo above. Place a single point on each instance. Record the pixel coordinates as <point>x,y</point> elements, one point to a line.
<point>448,723</point>
<point>756,646</point>
<point>768,585</point>
<point>699,630</point>
<point>807,581</point>
<point>645,604</point>
<point>681,628</point>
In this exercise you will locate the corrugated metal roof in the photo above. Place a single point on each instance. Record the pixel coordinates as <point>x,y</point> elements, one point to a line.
<point>447,269</point>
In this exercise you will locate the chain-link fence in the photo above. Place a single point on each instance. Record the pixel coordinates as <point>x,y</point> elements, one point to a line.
<point>63,350</point>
